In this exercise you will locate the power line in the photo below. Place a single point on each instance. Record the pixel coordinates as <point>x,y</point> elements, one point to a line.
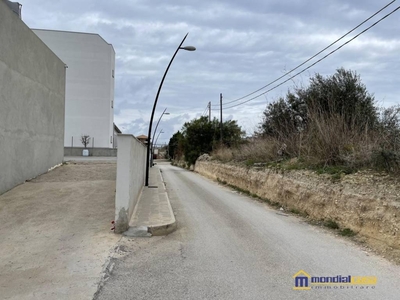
<point>205,112</point>
<point>343,36</point>
<point>313,64</point>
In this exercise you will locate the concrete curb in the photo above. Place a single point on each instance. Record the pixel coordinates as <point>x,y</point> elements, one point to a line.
<point>164,229</point>
<point>147,221</point>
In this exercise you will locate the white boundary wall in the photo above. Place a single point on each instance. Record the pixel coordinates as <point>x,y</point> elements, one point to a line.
<point>131,164</point>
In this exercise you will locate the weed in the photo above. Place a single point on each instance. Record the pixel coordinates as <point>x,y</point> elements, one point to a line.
<point>275,204</point>
<point>336,177</point>
<point>240,190</point>
<point>249,163</point>
<point>246,192</point>
<point>295,211</point>
<point>222,181</point>
<point>347,232</point>
<point>388,161</point>
<point>334,170</point>
<point>331,224</point>
<point>303,214</point>
<point>266,200</point>
<point>294,166</point>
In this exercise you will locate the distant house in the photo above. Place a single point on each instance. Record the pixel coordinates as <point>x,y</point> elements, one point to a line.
<point>143,139</point>
<point>89,103</point>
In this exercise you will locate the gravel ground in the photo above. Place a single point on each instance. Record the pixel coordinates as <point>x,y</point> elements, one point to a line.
<point>55,232</point>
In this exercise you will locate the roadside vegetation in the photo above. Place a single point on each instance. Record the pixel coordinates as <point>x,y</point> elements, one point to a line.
<point>331,126</point>
<point>201,136</point>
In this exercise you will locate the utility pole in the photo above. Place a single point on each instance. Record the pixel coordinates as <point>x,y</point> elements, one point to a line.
<point>209,111</point>
<point>220,122</point>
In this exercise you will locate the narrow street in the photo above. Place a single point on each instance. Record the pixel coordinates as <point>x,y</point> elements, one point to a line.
<point>229,246</point>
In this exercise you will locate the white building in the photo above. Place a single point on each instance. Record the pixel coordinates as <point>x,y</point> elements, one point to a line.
<point>89,96</point>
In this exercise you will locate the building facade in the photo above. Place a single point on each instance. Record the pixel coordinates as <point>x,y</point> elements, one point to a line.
<point>89,103</point>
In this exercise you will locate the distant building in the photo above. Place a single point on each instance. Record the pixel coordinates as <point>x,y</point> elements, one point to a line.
<point>142,138</point>
<point>89,103</point>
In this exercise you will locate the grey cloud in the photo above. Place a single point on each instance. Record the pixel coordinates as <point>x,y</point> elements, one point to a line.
<point>241,46</point>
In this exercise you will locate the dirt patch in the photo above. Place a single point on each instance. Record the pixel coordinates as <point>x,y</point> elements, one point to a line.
<point>366,203</point>
<point>80,171</point>
<point>56,233</point>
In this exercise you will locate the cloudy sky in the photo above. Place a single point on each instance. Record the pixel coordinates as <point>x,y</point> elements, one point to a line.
<point>241,47</point>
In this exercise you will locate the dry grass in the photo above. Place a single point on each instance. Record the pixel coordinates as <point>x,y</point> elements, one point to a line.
<point>223,154</point>
<point>258,150</point>
<point>328,140</point>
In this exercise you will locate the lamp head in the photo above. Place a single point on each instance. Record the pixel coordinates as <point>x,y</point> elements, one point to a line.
<point>188,48</point>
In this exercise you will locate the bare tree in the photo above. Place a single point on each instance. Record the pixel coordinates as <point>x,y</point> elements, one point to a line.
<point>85,139</point>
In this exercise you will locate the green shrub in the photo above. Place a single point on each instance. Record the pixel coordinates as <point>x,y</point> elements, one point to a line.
<point>385,160</point>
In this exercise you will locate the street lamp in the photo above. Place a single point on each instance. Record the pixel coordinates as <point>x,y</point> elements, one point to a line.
<point>152,140</point>
<point>188,48</point>
<point>155,130</point>
<point>155,143</point>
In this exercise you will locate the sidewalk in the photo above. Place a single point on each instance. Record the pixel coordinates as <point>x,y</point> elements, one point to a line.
<point>153,214</point>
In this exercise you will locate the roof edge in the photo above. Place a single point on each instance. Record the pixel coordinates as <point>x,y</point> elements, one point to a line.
<point>76,32</point>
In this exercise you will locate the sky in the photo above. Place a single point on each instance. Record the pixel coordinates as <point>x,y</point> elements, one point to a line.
<point>241,47</point>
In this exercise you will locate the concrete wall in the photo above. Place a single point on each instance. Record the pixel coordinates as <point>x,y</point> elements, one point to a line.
<point>131,161</point>
<point>32,103</point>
<point>69,151</point>
<point>90,85</point>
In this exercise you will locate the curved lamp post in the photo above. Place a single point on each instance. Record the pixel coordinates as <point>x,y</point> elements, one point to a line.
<point>152,140</point>
<point>155,130</point>
<point>154,144</point>
<point>158,136</point>
<point>188,48</point>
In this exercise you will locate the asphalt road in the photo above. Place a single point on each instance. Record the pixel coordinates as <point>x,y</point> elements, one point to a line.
<point>229,246</point>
